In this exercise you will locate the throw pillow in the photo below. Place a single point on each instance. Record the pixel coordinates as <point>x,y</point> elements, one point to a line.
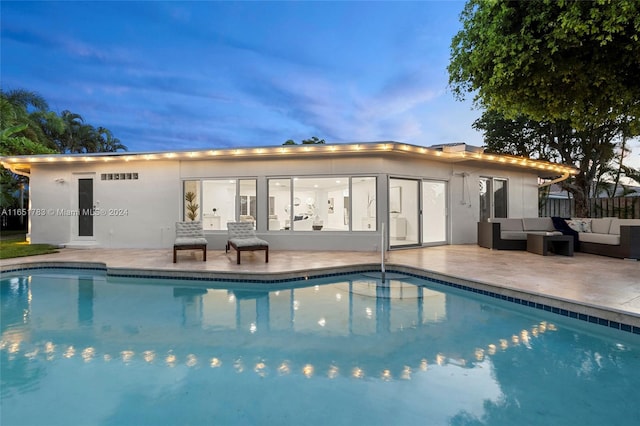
<point>580,225</point>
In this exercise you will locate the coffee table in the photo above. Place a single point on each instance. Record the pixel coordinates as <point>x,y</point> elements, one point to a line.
<point>544,244</point>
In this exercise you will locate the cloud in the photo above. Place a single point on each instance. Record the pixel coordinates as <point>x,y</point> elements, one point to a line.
<point>26,36</point>
<point>341,111</point>
<point>70,47</point>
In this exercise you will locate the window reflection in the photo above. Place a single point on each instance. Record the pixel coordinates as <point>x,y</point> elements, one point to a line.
<point>321,204</point>
<point>219,204</point>
<point>279,204</point>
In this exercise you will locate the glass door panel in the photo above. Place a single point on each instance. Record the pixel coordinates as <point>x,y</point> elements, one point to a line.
<point>434,212</point>
<point>404,212</point>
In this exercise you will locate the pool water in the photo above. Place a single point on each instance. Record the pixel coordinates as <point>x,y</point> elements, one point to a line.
<point>81,348</point>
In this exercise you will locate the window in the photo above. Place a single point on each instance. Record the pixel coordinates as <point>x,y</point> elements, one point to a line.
<point>218,203</point>
<point>225,200</point>
<point>279,204</point>
<point>499,198</point>
<point>364,203</point>
<point>191,200</point>
<point>248,199</point>
<point>321,204</point>
<point>493,198</point>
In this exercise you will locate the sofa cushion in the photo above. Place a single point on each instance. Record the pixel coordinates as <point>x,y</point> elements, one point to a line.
<point>579,225</point>
<point>615,224</point>
<point>508,224</point>
<point>591,237</point>
<point>513,235</point>
<point>538,224</point>
<point>601,225</point>
<point>544,232</point>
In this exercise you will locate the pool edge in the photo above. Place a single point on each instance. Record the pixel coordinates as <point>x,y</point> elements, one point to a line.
<point>608,317</point>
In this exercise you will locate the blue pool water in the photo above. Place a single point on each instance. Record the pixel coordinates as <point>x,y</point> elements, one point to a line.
<point>81,348</point>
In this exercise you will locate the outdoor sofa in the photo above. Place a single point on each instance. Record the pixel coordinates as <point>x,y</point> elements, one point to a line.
<point>608,236</point>
<point>511,233</point>
<point>603,236</point>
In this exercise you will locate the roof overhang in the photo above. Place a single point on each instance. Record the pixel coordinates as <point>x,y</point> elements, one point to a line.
<point>475,157</point>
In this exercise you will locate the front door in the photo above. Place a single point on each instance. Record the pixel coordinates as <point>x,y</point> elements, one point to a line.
<point>85,207</point>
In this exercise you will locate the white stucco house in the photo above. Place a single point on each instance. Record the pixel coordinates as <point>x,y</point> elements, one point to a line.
<point>299,197</point>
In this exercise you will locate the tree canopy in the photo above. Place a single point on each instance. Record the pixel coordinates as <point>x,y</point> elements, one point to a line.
<point>557,79</point>
<point>598,151</point>
<point>550,59</point>
<point>310,141</point>
<point>28,126</point>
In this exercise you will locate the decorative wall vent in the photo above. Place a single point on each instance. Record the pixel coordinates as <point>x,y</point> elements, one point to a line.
<point>118,176</point>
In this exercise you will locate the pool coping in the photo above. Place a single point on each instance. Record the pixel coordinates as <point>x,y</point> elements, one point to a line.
<point>608,317</point>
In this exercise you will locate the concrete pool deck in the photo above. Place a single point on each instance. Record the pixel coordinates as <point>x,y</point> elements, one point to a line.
<point>594,285</point>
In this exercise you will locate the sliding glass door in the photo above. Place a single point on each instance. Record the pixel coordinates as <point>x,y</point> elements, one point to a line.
<point>417,212</point>
<point>434,212</point>
<point>404,212</point>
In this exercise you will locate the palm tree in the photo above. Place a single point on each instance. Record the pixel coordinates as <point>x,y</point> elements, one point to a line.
<point>24,104</point>
<point>107,142</point>
<point>70,140</point>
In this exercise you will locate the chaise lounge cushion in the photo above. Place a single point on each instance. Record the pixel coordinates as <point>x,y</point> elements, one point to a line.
<point>249,242</point>
<point>189,236</point>
<point>184,241</point>
<point>189,233</point>
<point>242,237</point>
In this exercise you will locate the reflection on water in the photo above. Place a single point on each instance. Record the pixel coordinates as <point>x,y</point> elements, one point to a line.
<point>318,352</point>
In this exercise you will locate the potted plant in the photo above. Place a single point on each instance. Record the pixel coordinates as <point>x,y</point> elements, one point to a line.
<point>192,208</point>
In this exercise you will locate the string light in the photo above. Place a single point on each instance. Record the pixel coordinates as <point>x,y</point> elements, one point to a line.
<point>23,163</point>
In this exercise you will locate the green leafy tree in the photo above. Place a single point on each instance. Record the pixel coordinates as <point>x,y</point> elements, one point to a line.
<point>12,144</point>
<point>550,59</point>
<point>597,152</point>
<point>24,107</point>
<point>28,127</point>
<point>559,75</point>
<point>312,140</point>
<point>106,142</point>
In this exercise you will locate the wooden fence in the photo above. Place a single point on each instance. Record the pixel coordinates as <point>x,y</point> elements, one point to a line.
<point>622,207</point>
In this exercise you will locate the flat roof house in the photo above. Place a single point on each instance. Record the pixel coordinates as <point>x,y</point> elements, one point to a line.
<point>298,197</point>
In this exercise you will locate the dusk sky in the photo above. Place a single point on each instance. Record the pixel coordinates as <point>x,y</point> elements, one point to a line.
<point>183,75</point>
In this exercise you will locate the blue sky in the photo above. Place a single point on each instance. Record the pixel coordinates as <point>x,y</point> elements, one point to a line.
<point>183,75</point>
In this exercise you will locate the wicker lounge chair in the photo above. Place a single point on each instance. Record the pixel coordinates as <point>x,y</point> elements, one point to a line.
<point>242,237</point>
<point>189,236</point>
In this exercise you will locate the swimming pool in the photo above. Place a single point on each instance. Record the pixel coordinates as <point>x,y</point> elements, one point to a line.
<point>80,347</point>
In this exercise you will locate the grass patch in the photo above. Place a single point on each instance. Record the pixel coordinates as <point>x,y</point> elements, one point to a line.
<point>14,245</point>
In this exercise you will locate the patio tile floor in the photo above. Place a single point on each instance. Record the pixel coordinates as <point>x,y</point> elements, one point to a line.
<point>595,285</point>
